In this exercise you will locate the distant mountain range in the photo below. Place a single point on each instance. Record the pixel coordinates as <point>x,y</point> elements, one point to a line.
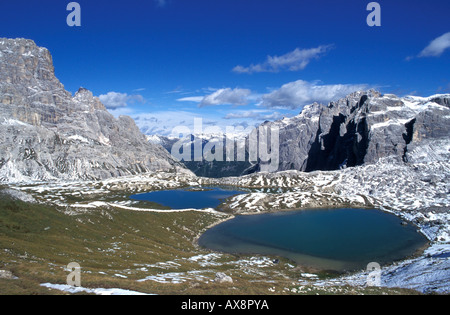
<point>356,130</point>
<point>204,168</point>
<point>47,134</point>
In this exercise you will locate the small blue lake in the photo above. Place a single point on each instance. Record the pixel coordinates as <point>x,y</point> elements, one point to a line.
<point>339,239</point>
<point>191,198</point>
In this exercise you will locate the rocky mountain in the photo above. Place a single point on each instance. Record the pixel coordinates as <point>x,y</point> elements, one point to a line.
<point>356,130</point>
<point>362,128</point>
<point>47,134</point>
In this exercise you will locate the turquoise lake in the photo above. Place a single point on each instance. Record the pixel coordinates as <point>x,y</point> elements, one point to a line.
<point>338,239</point>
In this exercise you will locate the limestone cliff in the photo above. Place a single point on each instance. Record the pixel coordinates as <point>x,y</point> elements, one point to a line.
<point>47,134</point>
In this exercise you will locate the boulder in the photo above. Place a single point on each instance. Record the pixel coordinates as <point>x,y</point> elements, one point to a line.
<point>223,278</point>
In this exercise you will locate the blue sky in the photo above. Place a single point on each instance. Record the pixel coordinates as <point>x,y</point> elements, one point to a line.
<point>236,62</point>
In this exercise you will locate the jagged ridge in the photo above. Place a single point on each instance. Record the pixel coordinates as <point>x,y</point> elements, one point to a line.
<point>362,128</point>
<point>47,134</point>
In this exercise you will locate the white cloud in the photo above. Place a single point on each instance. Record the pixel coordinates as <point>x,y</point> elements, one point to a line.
<point>164,122</point>
<point>226,96</point>
<point>255,114</point>
<point>115,100</point>
<point>196,99</point>
<point>293,61</point>
<point>161,122</point>
<point>295,95</point>
<point>436,46</point>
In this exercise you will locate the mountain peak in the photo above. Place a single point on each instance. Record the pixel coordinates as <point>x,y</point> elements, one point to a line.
<point>83,90</point>
<point>362,128</point>
<point>49,134</point>
<point>86,99</point>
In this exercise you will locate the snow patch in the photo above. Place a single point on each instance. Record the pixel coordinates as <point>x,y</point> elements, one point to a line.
<point>98,291</point>
<point>78,138</point>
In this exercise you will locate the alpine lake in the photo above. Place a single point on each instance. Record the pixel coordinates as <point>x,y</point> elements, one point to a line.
<point>337,240</point>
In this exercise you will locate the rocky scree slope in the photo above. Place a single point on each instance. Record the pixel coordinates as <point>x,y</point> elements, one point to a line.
<point>48,134</point>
